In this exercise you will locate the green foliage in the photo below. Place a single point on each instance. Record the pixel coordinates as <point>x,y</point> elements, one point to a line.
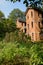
<point>10,52</point>
<point>10,25</point>
<point>17,48</point>
<point>1,15</point>
<point>2,32</point>
<point>30,2</point>
<point>17,53</point>
<point>15,14</point>
<point>36,57</point>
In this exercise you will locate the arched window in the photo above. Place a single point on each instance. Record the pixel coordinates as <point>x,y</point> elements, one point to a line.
<point>25,30</point>
<point>31,14</point>
<point>32,24</point>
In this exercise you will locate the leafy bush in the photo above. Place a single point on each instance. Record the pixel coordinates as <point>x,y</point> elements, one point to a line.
<point>21,54</point>
<point>11,53</point>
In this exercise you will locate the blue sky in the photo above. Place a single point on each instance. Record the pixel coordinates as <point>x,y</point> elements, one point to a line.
<point>6,7</point>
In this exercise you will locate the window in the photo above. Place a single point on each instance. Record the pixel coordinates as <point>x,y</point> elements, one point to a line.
<point>22,30</point>
<point>32,36</point>
<point>25,24</point>
<point>32,24</point>
<point>31,14</point>
<point>25,30</point>
<point>39,24</point>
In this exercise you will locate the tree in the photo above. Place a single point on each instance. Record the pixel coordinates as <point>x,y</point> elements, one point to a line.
<point>10,26</point>
<point>32,2</point>
<point>1,15</point>
<point>2,29</point>
<point>16,13</point>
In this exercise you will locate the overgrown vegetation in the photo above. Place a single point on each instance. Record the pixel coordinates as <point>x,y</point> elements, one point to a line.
<point>21,54</point>
<point>16,48</point>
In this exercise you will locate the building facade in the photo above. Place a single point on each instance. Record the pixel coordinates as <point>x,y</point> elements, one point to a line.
<point>21,24</point>
<point>33,25</point>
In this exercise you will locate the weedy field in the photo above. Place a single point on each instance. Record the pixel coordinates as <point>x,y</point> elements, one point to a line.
<point>21,53</point>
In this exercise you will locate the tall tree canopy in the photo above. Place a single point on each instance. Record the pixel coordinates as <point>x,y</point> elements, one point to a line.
<point>1,15</point>
<point>16,13</point>
<point>32,2</point>
<point>2,29</point>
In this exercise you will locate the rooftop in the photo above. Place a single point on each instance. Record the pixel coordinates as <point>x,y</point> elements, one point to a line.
<point>35,8</point>
<point>23,20</point>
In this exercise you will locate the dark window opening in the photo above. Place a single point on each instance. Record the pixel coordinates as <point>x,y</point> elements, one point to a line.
<point>22,30</point>
<point>39,24</point>
<point>42,22</point>
<point>22,24</point>
<point>25,24</point>
<point>25,30</point>
<point>32,24</point>
<point>31,14</point>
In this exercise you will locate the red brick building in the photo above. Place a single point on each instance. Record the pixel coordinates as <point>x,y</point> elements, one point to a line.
<point>33,25</point>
